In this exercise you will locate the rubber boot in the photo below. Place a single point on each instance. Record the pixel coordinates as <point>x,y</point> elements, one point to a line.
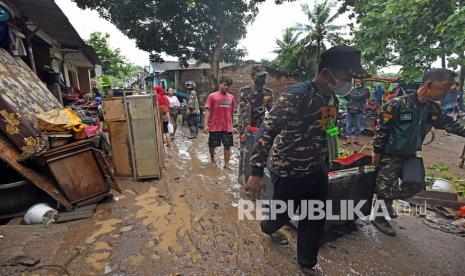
<point>384,226</point>
<point>391,211</point>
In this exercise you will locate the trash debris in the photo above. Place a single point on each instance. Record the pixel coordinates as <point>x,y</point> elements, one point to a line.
<point>459,222</point>
<point>108,269</point>
<point>78,213</point>
<point>41,213</point>
<point>1,236</point>
<point>461,212</point>
<point>431,216</point>
<point>443,185</point>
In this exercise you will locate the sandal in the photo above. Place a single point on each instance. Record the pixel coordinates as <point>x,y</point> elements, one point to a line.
<point>279,238</point>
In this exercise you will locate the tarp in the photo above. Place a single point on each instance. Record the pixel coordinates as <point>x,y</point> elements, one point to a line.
<point>64,119</point>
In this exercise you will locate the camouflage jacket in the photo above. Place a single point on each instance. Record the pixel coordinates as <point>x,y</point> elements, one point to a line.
<point>298,122</point>
<point>252,106</point>
<point>193,103</point>
<point>404,122</point>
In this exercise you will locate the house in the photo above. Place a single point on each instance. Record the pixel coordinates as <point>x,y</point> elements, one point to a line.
<point>44,37</point>
<point>176,76</point>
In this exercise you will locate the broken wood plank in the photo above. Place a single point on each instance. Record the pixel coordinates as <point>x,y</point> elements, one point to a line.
<point>436,202</point>
<point>79,213</point>
<point>438,195</point>
<point>9,155</point>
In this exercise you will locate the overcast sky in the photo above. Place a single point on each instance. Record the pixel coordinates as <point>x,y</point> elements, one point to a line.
<point>260,40</point>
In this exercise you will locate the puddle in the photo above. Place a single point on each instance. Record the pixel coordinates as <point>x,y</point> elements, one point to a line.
<point>98,260</point>
<point>171,221</point>
<point>107,226</point>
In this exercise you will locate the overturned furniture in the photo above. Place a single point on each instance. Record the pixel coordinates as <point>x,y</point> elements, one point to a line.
<point>81,171</point>
<point>135,136</point>
<point>25,149</point>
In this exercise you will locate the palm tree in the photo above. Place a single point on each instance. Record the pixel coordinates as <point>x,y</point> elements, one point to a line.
<point>288,42</point>
<point>319,29</point>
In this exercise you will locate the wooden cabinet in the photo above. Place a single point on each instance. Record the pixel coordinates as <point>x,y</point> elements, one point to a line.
<point>80,171</point>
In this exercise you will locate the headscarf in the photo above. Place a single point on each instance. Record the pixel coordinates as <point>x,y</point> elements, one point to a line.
<point>161,98</point>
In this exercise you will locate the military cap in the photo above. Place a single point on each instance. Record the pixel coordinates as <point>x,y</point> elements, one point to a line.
<point>258,70</point>
<point>344,58</point>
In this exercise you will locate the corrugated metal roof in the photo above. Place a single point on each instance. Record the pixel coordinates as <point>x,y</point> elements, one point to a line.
<point>51,19</point>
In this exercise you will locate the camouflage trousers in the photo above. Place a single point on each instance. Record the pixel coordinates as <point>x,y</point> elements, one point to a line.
<point>246,148</point>
<point>388,185</point>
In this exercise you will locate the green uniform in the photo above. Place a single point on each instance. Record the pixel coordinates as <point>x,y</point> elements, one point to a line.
<point>299,121</point>
<point>252,106</point>
<point>402,126</point>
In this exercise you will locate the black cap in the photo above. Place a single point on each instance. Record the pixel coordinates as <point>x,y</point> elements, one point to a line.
<point>259,70</point>
<point>344,58</point>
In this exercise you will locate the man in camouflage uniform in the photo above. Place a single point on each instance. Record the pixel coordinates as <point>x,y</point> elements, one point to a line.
<point>193,111</point>
<point>255,101</point>
<point>298,130</point>
<point>402,126</point>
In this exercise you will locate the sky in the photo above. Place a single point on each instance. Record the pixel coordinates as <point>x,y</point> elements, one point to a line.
<point>259,42</point>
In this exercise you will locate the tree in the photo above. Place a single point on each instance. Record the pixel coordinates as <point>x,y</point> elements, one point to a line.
<point>206,30</point>
<point>453,35</point>
<point>114,64</point>
<point>319,28</point>
<point>289,56</point>
<point>401,33</point>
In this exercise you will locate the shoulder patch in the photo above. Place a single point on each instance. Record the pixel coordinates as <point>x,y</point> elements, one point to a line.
<point>245,87</point>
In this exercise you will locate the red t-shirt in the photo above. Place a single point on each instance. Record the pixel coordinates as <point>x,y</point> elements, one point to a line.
<point>221,108</point>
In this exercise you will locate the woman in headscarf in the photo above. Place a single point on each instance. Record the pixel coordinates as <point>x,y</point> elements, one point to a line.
<point>163,108</point>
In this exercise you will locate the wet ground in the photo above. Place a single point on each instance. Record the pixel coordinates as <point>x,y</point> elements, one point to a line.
<point>186,224</point>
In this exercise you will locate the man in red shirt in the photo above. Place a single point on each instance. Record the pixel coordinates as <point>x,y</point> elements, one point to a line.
<point>218,119</point>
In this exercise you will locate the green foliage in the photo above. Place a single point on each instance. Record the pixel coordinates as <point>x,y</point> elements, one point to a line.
<point>205,30</point>
<point>403,33</point>
<point>114,63</point>
<point>298,50</point>
<point>105,81</point>
<point>319,29</point>
<point>453,33</point>
<point>289,56</point>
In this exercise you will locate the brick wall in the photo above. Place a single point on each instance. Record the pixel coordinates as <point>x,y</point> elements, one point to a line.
<point>241,77</point>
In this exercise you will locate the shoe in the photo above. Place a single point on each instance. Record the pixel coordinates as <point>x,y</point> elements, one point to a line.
<point>384,226</point>
<point>311,270</point>
<point>390,209</point>
<point>279,238</point>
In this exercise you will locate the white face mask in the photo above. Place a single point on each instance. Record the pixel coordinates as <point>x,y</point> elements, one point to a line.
<point>341,88</point>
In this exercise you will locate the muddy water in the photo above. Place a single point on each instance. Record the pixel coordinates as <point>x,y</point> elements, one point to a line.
<point>187,223</point>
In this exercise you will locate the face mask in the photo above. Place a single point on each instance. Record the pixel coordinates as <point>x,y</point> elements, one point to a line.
<point>341,88</point>
<point>260,81</point>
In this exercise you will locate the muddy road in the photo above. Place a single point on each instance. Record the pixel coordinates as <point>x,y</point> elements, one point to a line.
<point>186,224</point>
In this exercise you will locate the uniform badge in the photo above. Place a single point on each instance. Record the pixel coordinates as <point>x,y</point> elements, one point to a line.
<point>406,117</point>
<point>387,117</point>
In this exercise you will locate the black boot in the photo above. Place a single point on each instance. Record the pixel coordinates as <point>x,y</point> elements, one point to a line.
<point>390,209</point>
<point>384,226</point>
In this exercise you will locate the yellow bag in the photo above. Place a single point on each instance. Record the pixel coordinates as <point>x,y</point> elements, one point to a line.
<point>60,120</point>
